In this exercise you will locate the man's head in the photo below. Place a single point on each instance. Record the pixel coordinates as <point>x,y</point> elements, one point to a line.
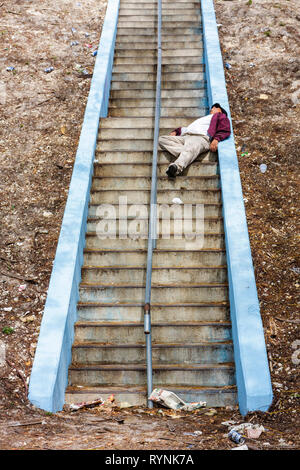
<point>217,108</point>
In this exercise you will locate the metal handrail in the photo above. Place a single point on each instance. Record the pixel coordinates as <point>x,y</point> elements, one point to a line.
<point>153,212</point>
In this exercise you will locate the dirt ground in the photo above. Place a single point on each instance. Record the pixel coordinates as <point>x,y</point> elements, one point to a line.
<point>41,117</point>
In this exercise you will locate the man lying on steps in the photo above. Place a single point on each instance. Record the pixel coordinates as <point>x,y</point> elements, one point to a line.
<point>202,135</point>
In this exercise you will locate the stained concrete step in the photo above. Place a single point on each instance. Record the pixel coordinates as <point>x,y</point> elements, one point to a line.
<point>142,43</point>
<point>143,123</point>
<point>110,170</point>
<point>136,212</point>
<point>204,168</point>
<point>150,19</point>
<point>192,375</point>
<point>142,188</point>
<point>129,52</point>
<point>152,6</point>
<point>179,185</point>
<point>169,332</point>
<point>150,112</point>
<point>129,312</point>
<point>166,228</point>
<point>160,294</point>
<point>161,259</point>
<point>180,60</point>
<point>211,195</point>
<point>152,68</point>
<point>151,76</point>
<point>167,14</point>
<point>137,395</point>
<point>166,276</point>
<point>180,93</point>
<point>145,157</point>
<point>149,103</point>
<point>185,240</point>
<point>138,133</point>
<point>201,353</point>
<point>167,41</point>
<point>167,25</point>
<point>143,36</point>
<point>168,31</point>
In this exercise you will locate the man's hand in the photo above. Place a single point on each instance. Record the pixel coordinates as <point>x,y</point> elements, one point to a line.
<point>214,145</point>
<point>173,133</point>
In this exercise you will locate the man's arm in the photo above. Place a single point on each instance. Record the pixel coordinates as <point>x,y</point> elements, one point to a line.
<point>178,131</point>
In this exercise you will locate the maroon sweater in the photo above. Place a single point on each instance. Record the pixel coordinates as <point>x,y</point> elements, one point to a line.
<point>219,128</point>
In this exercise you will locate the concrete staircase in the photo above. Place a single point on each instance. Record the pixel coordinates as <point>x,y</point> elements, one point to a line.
<point>191,330</point>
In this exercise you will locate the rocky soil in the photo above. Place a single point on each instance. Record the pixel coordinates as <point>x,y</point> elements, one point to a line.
<point>40,121</point>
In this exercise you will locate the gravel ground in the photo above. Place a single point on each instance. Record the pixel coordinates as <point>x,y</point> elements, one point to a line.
<point>41,115</point>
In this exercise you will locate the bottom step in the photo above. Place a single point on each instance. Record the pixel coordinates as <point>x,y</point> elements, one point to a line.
<point>137,396</point>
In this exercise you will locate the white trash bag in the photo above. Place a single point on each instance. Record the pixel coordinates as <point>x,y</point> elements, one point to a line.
<point>170,400</point>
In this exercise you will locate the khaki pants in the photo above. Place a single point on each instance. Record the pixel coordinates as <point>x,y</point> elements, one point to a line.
<point>186,148</point>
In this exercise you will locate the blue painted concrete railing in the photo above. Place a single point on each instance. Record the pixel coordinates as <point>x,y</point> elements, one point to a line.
<point>252,369</point>
<point>49,375</point>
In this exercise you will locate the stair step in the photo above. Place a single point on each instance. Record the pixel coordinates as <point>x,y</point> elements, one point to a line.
<point>167,14</point>
<point>152,6</point>
<point>144,122</point>
<point>166,276</point>
<point>144,170</point>
<point>212,195</point>
<point>129,52</point>
<point>167,35</point>
<point>144,44</point>
<point>213,312</point>
<point>161,259</point>
<point>193,375</point>
<point>139,211</point>
<point>180,93</point>
<point>152,68</point>
<point>176,30</point>
<point>150,19</point>
<point>146,157</point>
<point>167,188</point>
<point>201,353</point>
<point>151,76</point>
<point>175,294</point>
<point>148,42</point>
<point>201,241</point>
<point>150,112</point>
<point>169,332</point>
<point>165,103</point>
<point>136,133</point>
<point>167,25</point>
<point>137,395</point>
<point>166,228</point>
<point>180,60</point>
<point>209,194</point>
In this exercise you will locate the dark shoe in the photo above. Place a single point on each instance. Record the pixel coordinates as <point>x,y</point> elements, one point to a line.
<point>172,170</point>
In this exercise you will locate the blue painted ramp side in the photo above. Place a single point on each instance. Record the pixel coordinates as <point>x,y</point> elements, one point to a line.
<point>252,369</point>
<point>49,373</point>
